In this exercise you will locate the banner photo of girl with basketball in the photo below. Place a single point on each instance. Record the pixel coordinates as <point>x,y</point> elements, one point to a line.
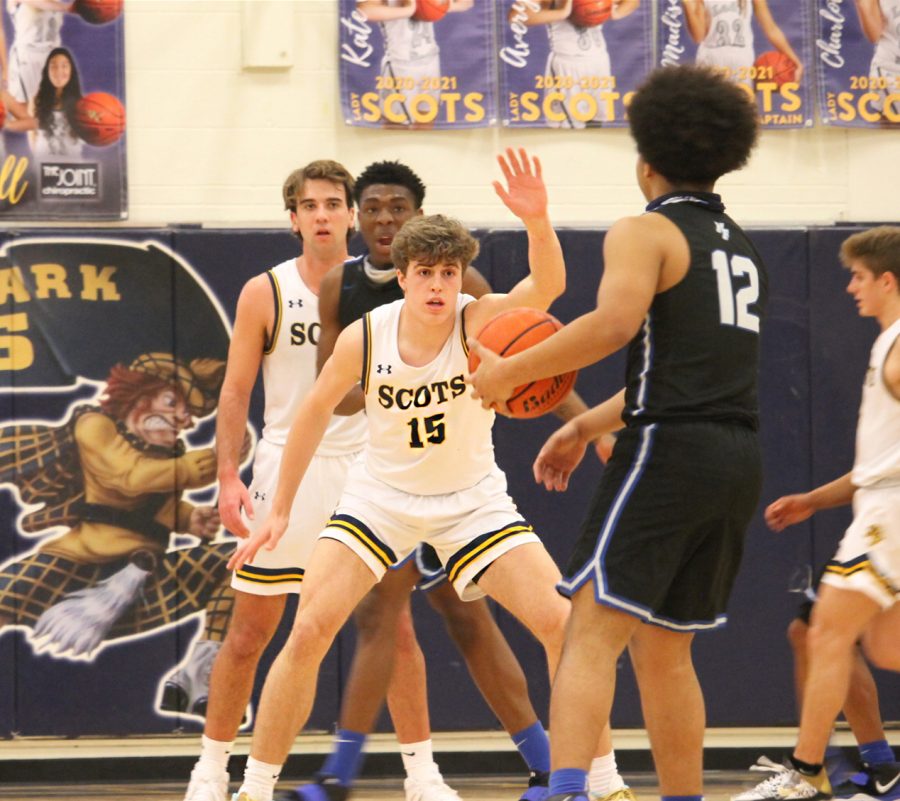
<point>858,63</point>
<point>417,63</point>
<point>62,113</point>
<point>762,45</point>
<point>571,63</point>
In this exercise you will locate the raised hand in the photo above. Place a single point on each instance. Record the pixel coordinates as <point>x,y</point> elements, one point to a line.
<point>525,194</point>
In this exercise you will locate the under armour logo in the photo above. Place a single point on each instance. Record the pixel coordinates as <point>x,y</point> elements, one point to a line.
<point>259,496</point>
<point>722,231</point>
<point>384,368</point>
<point>298,303</point>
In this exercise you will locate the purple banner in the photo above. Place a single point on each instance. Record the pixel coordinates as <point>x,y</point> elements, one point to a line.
<point>573,66</point>
<point>858,62</point>
<point>763,45</point>
<point>417,63</point>
<point>62,153</point>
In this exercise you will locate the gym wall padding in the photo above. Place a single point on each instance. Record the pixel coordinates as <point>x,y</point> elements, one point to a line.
<point>814,353</point>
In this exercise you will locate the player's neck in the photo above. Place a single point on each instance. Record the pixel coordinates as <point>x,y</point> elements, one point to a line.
<point>890,314</point>
<point>314,265</point>
<point>418,341</point>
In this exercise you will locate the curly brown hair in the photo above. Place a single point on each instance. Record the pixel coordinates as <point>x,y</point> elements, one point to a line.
<point>433,239</point>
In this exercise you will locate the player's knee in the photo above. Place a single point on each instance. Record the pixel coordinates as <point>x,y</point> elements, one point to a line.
<point>247,639</point>
<point>468,624</point>
<point>882,651</point>
<point>374,620</point>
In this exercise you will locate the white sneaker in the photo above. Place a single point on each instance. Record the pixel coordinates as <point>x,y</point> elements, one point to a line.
<point>785,785</point>
<point>432,788</point>
<point>206,786</point>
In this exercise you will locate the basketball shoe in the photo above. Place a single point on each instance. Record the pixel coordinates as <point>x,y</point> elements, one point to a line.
<point>622,794</point>
<point>877,781</point>
<point>538,788</point>
<point>788,784</point>
<point>430,788</point>
<point>206,785</point>
<point>324,788</point>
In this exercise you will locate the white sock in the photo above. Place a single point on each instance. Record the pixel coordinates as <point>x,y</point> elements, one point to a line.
<point>259,779</point>
<point>214,754</point>
<point>604,777</point>
<point>418,759</point>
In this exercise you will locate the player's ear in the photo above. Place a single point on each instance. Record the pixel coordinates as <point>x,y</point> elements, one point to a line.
<point>419,212</point>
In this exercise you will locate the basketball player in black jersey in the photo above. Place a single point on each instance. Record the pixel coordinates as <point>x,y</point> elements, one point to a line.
<point>389,193</point>
<point>686,291</point>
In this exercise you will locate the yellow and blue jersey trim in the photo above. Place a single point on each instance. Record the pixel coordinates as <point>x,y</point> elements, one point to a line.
<point>365,536</point>
<point>481,545</point>
<point>269,344</point>
<point>270,575</point>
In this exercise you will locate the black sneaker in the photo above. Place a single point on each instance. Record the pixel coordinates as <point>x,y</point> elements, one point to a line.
<point>537,786</point>
<point>324,788</point>
<point>880,781</point>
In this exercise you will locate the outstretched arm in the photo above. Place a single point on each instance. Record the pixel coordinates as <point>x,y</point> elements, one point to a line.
<point>634,251</point>
<point>525,195</point>
<point>776,36</point>
<point>338,375</point>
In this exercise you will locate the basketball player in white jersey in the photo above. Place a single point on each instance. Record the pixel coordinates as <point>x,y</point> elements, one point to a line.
<point>880,20</point>
<point>276,328</point>
<point>428,471</point>
<point>411,64</point>
<point>859,596</point>
<point>724,32</point>
<point>36,31</point>
<point>578,63</point>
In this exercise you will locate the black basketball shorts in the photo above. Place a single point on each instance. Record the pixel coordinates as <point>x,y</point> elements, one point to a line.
<point>665,532</point>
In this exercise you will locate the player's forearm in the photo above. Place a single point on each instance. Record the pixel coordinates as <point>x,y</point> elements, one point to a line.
<point>603,419</point>
<point>835,493</point>
<point>231,427</point>
<point>582,342</point>
<point>545,259</point>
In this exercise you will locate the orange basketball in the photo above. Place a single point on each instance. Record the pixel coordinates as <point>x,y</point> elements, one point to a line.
<point>513,331</point>
<point>98,12</point>
<point>431,10</point>
<point>775,67</point>
<point>2,113</point>
<point>100,118</point>
<point>588,13</point>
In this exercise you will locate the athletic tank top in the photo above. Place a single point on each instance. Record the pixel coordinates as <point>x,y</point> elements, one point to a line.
<point>696,356</point>
<point>408,39</point>
<point>427,435</point>
<point>878,429</point>
<point>729,28</point>
<point>36,28</point>
<point>359,294</point>
<point>571,40</point>
<point>887,48</point>
<point>289,365</point>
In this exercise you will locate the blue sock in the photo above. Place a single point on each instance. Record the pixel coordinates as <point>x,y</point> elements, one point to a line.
<point>346,756</point>
<point>534,747</point>
<point>681,797</point>
<point>568,780</point>
<point>876,753</point>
